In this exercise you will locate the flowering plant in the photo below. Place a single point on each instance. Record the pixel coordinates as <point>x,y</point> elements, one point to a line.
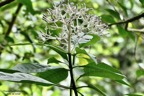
<point>77,26</point>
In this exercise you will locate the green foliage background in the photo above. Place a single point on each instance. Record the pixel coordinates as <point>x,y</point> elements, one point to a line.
<point>122,49</point>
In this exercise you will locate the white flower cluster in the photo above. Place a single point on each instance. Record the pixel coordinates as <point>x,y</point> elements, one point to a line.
<point>75,23</point>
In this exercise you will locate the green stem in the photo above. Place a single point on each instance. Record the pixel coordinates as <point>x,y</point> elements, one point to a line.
<point>69,39</point>
<point>73,85</point>
<point>71,80</point>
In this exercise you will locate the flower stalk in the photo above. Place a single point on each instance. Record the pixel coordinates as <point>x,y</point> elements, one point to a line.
<point>69,38</point>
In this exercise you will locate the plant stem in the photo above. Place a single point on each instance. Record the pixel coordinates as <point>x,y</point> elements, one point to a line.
<point>69,39</point>
<point>70,88</point>
<point>74,59</point>
<point>71,80</point>
<point>73,85</point>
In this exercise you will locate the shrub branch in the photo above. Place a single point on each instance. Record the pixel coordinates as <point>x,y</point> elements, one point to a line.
<point>5,2</point>
<point>128,20</point>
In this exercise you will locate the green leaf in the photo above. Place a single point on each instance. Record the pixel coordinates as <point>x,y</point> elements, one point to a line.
<point>2,38</point>
<point>8,6</point>
<point>8,70</point>
<point>53,60</point>
<point>142,2</point>
<point>56,93</point>
<point>28,38</point>
<point>131,4</point>
<point>91,42</point>
<point>135,94</point>
<point>107,18</point>
<point>23,78</point>
<point>102,70</point>
<point>9,39</point>
<point>131,35</point>
<point>59,51</point>
<point>82,51</point>
<point>28,4</point>
<point>122,31</point>
<point>97,89</point>
<point>124,81</point>
<point>123,7</point>
<point>54,75</point>
<point>140,73</point>
<point>30,68</point>
<point>114,13</point>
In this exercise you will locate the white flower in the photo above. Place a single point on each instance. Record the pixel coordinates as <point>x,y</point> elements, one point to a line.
<point>75,23</point>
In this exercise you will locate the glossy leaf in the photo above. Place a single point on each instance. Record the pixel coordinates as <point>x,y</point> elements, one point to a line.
<point>102,70</point>
<point>54,75</point>
<point>23,78</point>
<point>30,68</point>
<point>123,81</point>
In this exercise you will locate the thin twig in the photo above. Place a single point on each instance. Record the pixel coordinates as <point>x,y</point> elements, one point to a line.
<point>82,87</point>
<point>80,93</point>
<point>5,2</point>
<point>128,20</point>
<point>62,86</point>
<point>135,47</point>
<point>13,20</point>
<point>22,44</point>
<point>136,30</point>
<point>11,25</point>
